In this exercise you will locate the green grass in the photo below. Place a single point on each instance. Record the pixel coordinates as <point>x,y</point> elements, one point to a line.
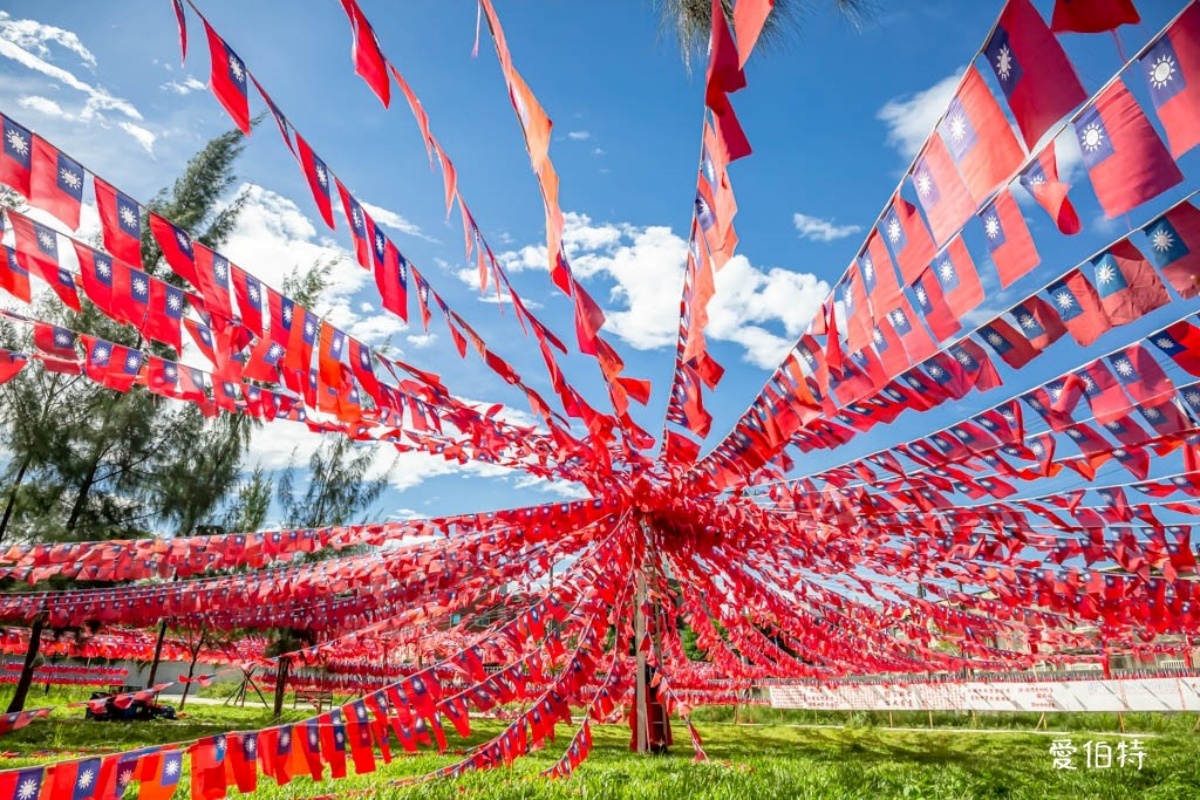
<point>748,762</point>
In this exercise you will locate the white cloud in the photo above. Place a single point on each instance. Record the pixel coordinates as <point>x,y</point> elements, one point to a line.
<point>647,265</point>
<point>597,152</point>
<point>98,100</point>
<point>143,137</point>
<point>44,106</point>
<point>421,340</point>
<point>32,35</point>
<point>579,136</point>
<point>911,118</point>
<point>187,86</point>
<point>393,220</point>
<point>821,230</point>
<point>568,490</point>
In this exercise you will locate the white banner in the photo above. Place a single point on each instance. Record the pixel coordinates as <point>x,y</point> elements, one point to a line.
<point>1126,694</point>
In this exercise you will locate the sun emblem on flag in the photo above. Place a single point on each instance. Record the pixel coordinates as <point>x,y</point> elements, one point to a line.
<point>1089,383</point>
<point>898,318</point>
<point>236,69</point>
<point>1093,137</point>
<point>174,302</point>
<point>1026,321</point>
<point>1162,71</point>
<point>868,267</point>
<point>100,354</point>
<point>922,295</point>
<point>1124,367</point>
<point>877,335</point>
<point>17,143</point>
<point>46,240</point>
<point>807,355</point>
<point>1162,240</point>
<point>893,230</point>
<point>1037,448</point>
<point>139,286</point>
<point>946,270</point>
<point>287,314</point>
<point>1037,179</point>
<point>133,360</point>
<point>322,178</point>
<point>1064,299</point>
<point>1074,433</point>
<point>1193,398</point>
<point>1164,343</point>
<point>995,339</point>
<point>935,371</point>
<point>252,291</point>
<point>924,183</point>
<point>1056,391</point>
<point>70,178</point>
<point>124,777</point>
<point>169,371</point>
<point>1105,273</point>
<point>1152,413</point>
<point>102,267</point>
<point>991,226</point>
<point>1004,63</point>
<point>379,241</point>
<point>1008,415</point>
<point>275,350</point>
<point>172,766</point>
<point>28,789</point>
<point>85,778</point>
<point>958,127</point>
<point>182,240</point>
<point>963,357</point>
<point>127,216</point>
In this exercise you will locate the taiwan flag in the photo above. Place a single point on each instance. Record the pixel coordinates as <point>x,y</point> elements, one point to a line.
<point>957,278</point>
<point>37,251</point>
<point>908,237</point>
<point>1033,70</point>
<point>1103,393</point>
<point>369,63</point>
<point>1141,375</point>
<point>14,278</point>
<point>940,190</point>
<point>96,275</point>
<point>1174,240</point>
<point>10,364</point>
<point>1172,69</point>
<point>25,784</point>
<point>56,182</point>
<point>1128,286</point>
<point>16,156</point>
<point>1079,306</point>
<point>176,247</point>
<point>120,222</point>
<point>1038,321</point>
<point>228,79</point>
<point>878,274</point>
<point>1092,16</point>
<point>979,138</point>
<point>1127,162</point>
<point>362,228</point>
<point>317,175</point>
<point>166,312</point>
<point>1040,179</point>
<point>1008,238</point>
<point>928,292</point>
<point>391,278</point>
<point>1181,343</point>
<point>916,341</point>
<point>249,292</point>
<point>160,776</point>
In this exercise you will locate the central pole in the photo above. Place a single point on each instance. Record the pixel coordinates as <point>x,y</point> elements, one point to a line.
<point>639,635</point>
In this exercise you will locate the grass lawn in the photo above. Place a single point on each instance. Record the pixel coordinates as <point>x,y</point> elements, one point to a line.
<point>773,759</point>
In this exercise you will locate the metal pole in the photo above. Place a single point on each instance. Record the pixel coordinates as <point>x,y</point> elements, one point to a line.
<point>639,634</point>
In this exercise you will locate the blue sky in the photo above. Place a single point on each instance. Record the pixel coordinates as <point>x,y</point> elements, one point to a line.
<point>834,120</point>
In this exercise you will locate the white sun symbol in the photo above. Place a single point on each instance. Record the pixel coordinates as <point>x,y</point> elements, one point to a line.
<point>894,230</point>
<point>924,184</point>
<point>133,360</point>
<point>124,776</point>
<point>898,319</point>
<point>935,371</point>
<point>1089,383</point>
<point>127,216</point>
<point>172,766</point>
<point>946,270</point>
<point>1124,367</point>
<point>321,176</point>
<point>287,314</point>
<point>1152,413</point>
<point>922,297</point>
<point>958,127</point>
<point>139,286</point>
<point>17,143</point>
<point>992,226</point>
<point>275,350</point>
<point>877,335</point>
<point>182,240</point>
<point>1037,404</point>
<point>70,178</point>
<point>174,302</point>
<point>1037,180</point>
<point>963,357</point>
<point>46,240</point>
<point>1064,300</point>
<point>1193,398</point>
<point>85,778</point>
<point>1162,71</point>
<point>808,356</point>
<point>1026,321</point>
<point>236,68</point>
<point>252,291</point>
<point>1164,343</point>
<point>1105,273</point>
<point>1162,240</point>
<point>100,354</point>
<point>1092,138</point>
<point>1037,448</point>
<point>102,267</point>
<point>309,328</point>
<point>1074,433</point>
<point>28,789</point>
<point>1008,415</point>
<point>1004,63</point>
<point>379,241</point>
<point>995,339</point>
<point>1056,391</point>
<point>868,267</point>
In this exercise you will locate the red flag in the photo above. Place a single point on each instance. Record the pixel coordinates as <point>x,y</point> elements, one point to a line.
<point>56,182</point>
<point>369,63</point>
<point>928,291</point>
<point>10,364</point>
<point>1092,16</point>
<point>166,311</point>
<point>1038,321</point>
<point>228,79</point>
<point>249,292</point>
<point>181,21</point>
<point>978,137</point>
<point>1103,393</point>
<point>120,222</point>
<point>176,247</point>
<point>917,341</point>
<point>957,278</point>
<point>858,312</point>
<point>14,278</point>
<point>391,277</point>
<point>37,252</point>
<point>940,190</point>
<point>362,227</point>
<point>1128,286</point>
<point>16,156</point>
<point>1127,162</point>
<point>910,241</point>
<point>724,76</point>
<point>1172,68</point>
<point>749,16</point>
<point>213,271</point>
<point>53,340</point>
<point>1032,70</point>
<point>1141,375</point>
<point>1008,238</point>
<point>111,365</point>
<point>1079,306</point>
<point>878,274</point>
<point>1181,342</point>
<point>329,356</point>
<point>1174,240</point>
<point>1040,179</point>
<point>317,175</point>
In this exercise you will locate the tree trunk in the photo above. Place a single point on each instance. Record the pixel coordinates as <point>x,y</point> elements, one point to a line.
<point>84,490</point>
<point>23,683</point>
<point>162,632</point>
<point>281,676</point>
<point>187,687</point>
<point>11,503</point>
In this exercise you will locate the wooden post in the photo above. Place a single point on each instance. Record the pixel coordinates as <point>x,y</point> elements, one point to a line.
<point>640,696</point>
<point>1121,720</point>
<point>281,676</point>
<point>23,683</point>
